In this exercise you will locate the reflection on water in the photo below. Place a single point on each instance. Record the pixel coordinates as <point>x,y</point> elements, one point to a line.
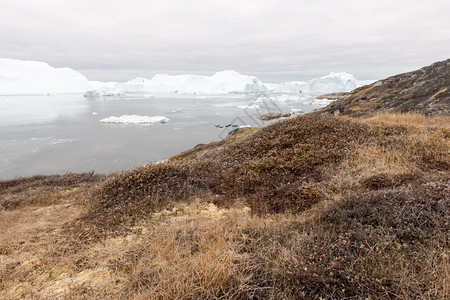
<point>19,110</point>
<point>62,133</point>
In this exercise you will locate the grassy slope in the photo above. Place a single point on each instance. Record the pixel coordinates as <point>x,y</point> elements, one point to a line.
<point>310,206</point>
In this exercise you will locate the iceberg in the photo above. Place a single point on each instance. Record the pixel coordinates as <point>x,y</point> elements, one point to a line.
<point>135,85</point>
<point>331,83</point>
<point>287,99</point>
<point>334,82</point>
<point>289,87</point>
<point>100,85</point>
<point>32,77</point>
<point>103,89</point>
<point>225,82</point>
<point>229,82</point>
<point>135,119</point>
<point>103,93</point>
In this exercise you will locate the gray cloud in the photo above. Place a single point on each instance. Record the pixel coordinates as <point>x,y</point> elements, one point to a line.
<point>274,40</point>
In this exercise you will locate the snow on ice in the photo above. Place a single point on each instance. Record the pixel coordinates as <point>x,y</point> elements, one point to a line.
<point>135,119</point>
<point>32,77</point>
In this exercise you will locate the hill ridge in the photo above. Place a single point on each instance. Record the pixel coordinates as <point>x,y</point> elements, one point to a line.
<point>425,91</point>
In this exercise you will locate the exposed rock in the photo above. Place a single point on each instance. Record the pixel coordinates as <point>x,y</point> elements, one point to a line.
<point>333,96</point>
<point>236,130</point>
<point>273,115</point>
<point>425,91</point>
<point>296,111</point>
<point>226,126</point>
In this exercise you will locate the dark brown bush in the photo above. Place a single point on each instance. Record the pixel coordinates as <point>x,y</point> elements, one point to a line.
<point>40,189</point>
<point>292,197</point>
<point>383,180</point>
<point>374,244</point>
<point>69,179</point>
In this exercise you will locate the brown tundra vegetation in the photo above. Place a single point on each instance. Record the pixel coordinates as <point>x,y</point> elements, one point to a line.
<point>311,207</point>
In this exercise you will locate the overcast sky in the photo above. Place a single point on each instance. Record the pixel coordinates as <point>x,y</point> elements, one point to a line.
<point>275,40</point>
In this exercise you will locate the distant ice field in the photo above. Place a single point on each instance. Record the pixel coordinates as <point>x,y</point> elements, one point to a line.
<point>63,133</point>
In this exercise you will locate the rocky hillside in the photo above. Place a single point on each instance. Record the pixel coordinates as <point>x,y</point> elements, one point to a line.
<point>425,91</point>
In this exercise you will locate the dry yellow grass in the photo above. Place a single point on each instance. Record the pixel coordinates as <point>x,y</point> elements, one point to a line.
<point>231,256</point>
<point>411,119</point>
<point>427,139</point>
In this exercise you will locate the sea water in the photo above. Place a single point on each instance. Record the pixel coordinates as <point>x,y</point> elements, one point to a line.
<point>56,134</point>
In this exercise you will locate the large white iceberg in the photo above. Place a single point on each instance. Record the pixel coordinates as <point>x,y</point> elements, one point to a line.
<point>227,82</point>
<point>135,119</point>
<point>100,85</point>
<point>135,85</point>
<point>103,89</point>
<point>224,82</point>
<point>288,87</point>
<point>32,77</point>
<point>332,83</point>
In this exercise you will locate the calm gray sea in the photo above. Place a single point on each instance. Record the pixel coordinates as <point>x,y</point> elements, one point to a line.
<point>62,133</point>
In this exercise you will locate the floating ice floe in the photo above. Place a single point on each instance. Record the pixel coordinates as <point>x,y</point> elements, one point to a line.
<point>103,93</point>
<point>249,106</point>
<point>290,98</point>
<point>61,141</point>
<point>135,119</point>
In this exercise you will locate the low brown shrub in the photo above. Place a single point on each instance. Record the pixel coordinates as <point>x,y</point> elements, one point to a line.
<point>383,180</point>
<point>42,190</point>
